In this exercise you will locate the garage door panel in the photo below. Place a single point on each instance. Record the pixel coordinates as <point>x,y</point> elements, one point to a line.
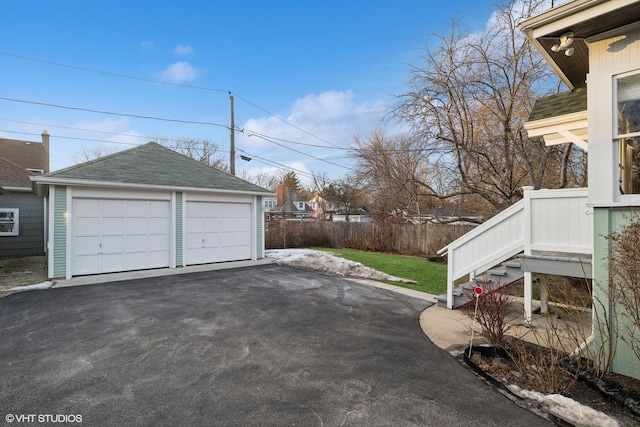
<point>158,209</point>
<point>86,208</point>
<point>136,261</point>
<point>113,226</point>
<point>85,245</point>
<point>158,225</point>
<point>136,208</point>
<point>136,244</point>
<point>86,226</point>
<point>112,244</point>
<point>210,210</point>
<point>159,242</point>
<point>113,262</point>
<point>227,223</point>
<point>211,224</point>
<point>136,226</point>
<point>194,210</point>
<point>113,208</point>
<point>243,238</point>
<point>193,240</point>
<point>86,264</point>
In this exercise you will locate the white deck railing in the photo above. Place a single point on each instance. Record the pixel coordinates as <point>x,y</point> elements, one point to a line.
<point>545,220</point>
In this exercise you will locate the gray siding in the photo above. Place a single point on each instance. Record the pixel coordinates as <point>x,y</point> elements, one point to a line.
<point>31,239</point>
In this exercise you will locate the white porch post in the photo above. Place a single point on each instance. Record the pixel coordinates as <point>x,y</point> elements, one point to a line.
<point>528,295</point>
<point>450,279</point>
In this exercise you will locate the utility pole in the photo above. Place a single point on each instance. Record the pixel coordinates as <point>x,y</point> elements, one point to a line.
<point>232,140</point>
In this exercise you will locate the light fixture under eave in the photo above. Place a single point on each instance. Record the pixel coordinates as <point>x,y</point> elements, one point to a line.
<point>565,44</point>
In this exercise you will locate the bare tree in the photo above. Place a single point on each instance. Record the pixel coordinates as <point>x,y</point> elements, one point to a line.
<point>344,195</point>
<point>396,174</point>
<point>202,150</point>
<point>468,102</point>
<point>91,153</point>
<point>262,179</point>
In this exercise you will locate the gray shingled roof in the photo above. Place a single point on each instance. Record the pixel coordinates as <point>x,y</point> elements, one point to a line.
<point>559,105</point>
<point>153,164</point>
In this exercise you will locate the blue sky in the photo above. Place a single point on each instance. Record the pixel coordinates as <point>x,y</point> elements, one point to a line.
<point>328,68</point>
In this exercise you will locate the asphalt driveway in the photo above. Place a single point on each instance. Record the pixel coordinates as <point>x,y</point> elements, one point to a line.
<point>265,345</point>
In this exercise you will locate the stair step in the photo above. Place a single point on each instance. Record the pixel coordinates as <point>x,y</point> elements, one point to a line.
<point>512,264</point>
<point>497,272</point>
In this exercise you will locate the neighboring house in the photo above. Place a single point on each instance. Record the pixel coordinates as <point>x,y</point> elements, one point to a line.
<point>594,47</point>
<point>287,205</point>
<point>22,213</point>
<point>148,207</point>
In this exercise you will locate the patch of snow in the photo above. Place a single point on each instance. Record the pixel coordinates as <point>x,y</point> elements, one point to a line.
<point>567,409</point>
<point>326,262</point>
<point>43,285</point>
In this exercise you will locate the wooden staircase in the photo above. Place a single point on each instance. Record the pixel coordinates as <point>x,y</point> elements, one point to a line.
<point>503,275</point>
<point>549,231</point>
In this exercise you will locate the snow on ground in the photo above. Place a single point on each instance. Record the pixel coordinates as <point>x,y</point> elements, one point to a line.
<point>567,409</point>
<point>43,285</point>
<point>326,262</point>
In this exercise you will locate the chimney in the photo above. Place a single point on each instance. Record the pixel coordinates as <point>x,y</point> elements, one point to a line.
<point>45,146</point>
<point>280,193</point>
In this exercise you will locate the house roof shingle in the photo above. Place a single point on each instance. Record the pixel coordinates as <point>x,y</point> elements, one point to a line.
<point>26,154</point>
<point>559,105</point>
<point>13,175</point>
<point>153,164</point>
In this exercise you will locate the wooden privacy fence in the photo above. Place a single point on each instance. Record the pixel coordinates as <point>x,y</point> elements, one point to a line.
<point>406,239</point>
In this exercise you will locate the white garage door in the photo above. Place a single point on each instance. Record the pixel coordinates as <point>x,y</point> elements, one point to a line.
<point>119,235</point>
<point>217,232</point>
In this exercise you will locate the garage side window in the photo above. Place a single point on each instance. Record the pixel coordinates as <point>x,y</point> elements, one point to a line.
<point>9,222</point>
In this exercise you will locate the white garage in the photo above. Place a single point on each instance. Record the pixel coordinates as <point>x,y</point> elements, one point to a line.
<point>145,208</point>
<point>217,232</point>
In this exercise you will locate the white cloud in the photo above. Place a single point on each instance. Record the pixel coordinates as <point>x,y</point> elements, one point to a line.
<point>331,116</point>
<point>179,72</point>
<point>323,121</point>
<point>183,50</point>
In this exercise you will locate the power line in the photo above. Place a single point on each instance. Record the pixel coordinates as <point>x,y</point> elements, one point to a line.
<point>71,137</point>
<point>107,73</point>
<point>277,165</point>
<point>250,133</point>
<point>47,125</point>
<point>304,154</point>
<point>284,121</point>
<point>137,116</point>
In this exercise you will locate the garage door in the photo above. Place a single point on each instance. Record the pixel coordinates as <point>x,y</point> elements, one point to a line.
<point>119,235</point>
<point>217,232</point>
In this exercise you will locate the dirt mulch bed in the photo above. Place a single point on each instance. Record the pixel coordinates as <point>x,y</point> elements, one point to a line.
<point>499,369</point>
<point>21,271</point>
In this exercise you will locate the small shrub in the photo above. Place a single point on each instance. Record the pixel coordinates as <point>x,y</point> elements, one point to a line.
<point>493,306</point>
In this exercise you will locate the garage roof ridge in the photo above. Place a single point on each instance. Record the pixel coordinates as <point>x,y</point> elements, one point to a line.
<point>151,164</point>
